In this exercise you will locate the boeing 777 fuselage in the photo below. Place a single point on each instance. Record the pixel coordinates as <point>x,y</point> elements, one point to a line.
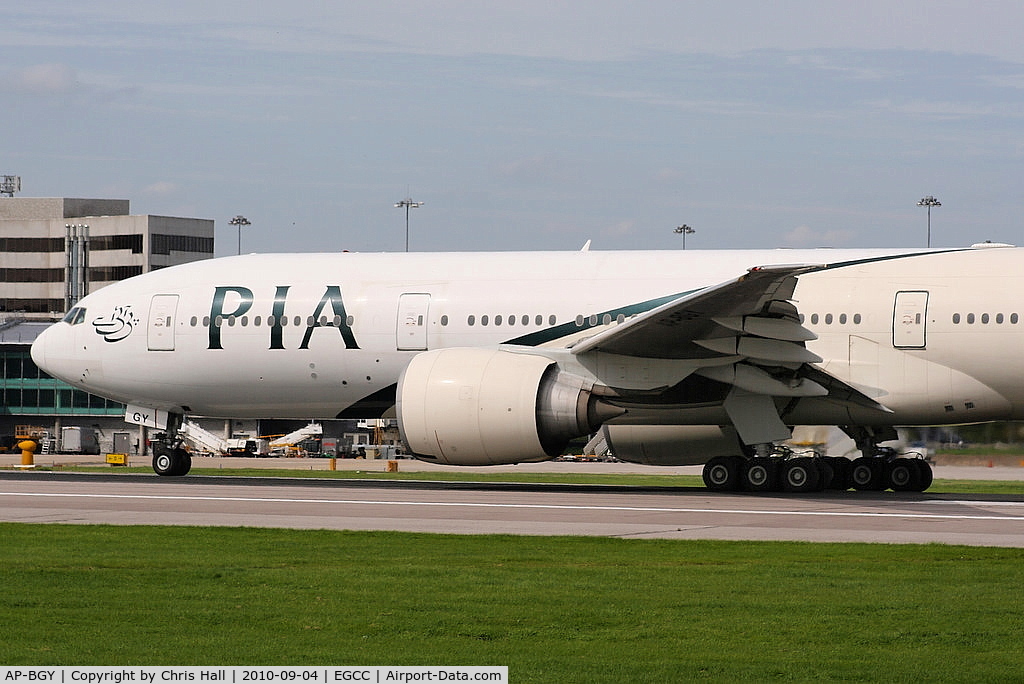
<point>490,358</point>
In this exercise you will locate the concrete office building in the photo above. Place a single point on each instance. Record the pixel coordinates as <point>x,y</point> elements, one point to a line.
<point>54,251</point>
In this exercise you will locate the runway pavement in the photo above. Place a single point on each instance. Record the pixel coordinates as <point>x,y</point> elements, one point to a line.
<point>8,460</point>
<point>632,512</point>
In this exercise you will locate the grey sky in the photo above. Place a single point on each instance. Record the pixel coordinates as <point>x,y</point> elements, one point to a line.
<point>530,124</point>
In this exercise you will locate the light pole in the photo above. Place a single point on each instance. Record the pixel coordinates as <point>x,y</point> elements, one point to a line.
<point>239,221</point>
<point>408,204</point>
<point>684,230</point>
<point>929,202</point>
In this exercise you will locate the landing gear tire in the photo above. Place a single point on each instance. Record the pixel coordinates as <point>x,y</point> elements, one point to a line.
<point>801,475</point>
<point>761,475</point>
<point>827,473</point>
<point>868,474</point>
<point>904,475</point>
<point>842,469</point>
<point>926,474</point>
<point>722,473</point>
<point>171,462</point>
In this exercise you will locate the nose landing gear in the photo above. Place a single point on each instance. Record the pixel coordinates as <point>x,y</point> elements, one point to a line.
<point>170,458</point>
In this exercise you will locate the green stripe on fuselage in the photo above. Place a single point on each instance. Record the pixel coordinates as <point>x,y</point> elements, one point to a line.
<point>540,337</point>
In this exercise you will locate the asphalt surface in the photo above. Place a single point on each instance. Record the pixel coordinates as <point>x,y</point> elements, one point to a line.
<point>994,471</point>
<point>495,508</point>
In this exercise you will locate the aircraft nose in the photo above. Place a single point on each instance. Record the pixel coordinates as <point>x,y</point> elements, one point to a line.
<point>38,349</point>
<point>51,350</point>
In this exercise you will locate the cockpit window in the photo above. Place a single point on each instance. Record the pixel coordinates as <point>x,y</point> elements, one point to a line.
<point>75,316</point>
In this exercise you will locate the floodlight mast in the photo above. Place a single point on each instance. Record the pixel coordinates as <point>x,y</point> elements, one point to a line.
<point>239,221</point>
<point>929,202</point>
<point>684,230</point>
<point>408,204</point>
<point>9,185</point>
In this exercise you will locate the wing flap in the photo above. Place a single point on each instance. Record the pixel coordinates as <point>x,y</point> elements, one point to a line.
<point>750,324</point>
<point>670,330</point>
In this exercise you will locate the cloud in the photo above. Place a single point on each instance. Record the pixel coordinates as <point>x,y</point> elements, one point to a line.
<point>805,236</point>
<point>543,168</point>
<point>947,110</point>
<point>820,62</point>
<point>606,29</point>
<point>46,79</point>
<point>161,188</point>
<point>622,228</point>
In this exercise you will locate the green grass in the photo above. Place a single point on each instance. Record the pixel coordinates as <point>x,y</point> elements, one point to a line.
<point>561,609</point>
<point>467,475</point>
<point>984,450</point>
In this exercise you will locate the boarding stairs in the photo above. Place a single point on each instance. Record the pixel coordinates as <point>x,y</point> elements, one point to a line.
<point>597,446</point>
<point>201,439</point>
<point>288,444</point>
<point>293,438</point>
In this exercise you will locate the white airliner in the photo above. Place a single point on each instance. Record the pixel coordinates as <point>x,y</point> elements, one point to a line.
<point>681,357</point>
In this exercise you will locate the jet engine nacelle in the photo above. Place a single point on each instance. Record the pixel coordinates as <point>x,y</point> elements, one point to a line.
<point>486,407</point>
<point>670,445</point>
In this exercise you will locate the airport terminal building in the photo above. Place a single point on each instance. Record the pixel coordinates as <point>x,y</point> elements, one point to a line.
<point>53,251</point>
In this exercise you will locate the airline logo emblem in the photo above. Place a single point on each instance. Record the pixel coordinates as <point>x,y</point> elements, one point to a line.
<point>117,326</point>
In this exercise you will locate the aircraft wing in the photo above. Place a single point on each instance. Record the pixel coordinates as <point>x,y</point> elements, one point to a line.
<point>672,329</point>
<point>744,332</point>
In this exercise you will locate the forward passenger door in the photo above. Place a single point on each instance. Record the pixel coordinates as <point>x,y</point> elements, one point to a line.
<point>412,321</point>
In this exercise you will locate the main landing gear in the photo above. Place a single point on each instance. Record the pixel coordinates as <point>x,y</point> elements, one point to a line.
<point>788,472</point>
<point>169,455</point>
